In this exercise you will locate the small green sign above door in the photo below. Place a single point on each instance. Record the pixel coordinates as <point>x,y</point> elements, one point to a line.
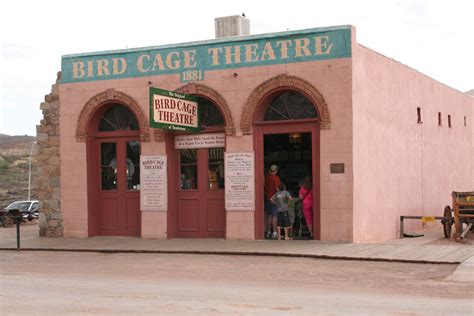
<point>174,111</point>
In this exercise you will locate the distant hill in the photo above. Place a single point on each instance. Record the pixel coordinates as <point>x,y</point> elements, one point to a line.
<point>15,145</point>
<point>470,92</point>
<point>14,166</point>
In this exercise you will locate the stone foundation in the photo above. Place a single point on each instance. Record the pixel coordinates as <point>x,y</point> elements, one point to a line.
<point>48,160</point>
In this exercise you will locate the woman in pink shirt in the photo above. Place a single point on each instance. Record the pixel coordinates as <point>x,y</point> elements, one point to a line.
<point>306,195</point>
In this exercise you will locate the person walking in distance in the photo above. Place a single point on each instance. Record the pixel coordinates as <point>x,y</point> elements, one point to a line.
<point>306,195</point>
<point>272,182</point>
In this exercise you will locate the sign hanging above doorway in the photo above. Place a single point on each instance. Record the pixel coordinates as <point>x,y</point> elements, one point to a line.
<point>174,111</point>
<point>199,141</point>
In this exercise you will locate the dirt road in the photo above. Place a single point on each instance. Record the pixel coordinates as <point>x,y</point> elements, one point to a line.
<point>92,283</point>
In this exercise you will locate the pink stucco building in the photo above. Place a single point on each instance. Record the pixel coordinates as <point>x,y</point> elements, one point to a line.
<point>378,138</point>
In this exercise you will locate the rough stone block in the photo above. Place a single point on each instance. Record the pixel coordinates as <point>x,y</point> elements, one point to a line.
<point>51,151</point>
<point>52,232</point>
<point>42,223</point>
<point>47,170</point>
<point>57,215</point>
<point>43,128</point>
<point>45,106</point>
<point>54,181</point>
<point>47,204</point>
<point>53,161</point>
<point>54,106</point>
<point>56,171</point>
<point>55,89</point>
<point>40,195</point>
<point>58,232</point>
<point>54,141</point>
<point>42,138</point>
<point>53,204</point>
<point>55,120</point>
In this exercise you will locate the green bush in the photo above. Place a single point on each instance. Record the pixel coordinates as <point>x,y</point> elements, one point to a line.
<point>4,164</point>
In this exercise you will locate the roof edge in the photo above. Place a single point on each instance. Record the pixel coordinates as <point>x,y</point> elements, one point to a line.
<point>213,41</point>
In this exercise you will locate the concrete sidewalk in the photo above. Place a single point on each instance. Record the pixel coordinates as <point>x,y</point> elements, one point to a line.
<point>406,250</point>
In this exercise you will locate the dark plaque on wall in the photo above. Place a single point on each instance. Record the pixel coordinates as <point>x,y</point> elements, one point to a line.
<point>337,168</point>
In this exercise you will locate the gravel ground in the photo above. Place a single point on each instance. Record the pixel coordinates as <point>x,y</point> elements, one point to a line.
<point>93,283</point>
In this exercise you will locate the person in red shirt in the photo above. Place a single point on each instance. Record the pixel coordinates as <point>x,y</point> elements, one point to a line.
<point>306,195</point>
<point>272,182</point>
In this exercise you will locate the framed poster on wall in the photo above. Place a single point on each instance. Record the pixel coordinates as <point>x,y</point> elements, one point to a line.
<point>239,181</point>
<point>153,183</point>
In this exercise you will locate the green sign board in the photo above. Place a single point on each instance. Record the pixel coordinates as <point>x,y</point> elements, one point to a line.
<point>174,111</point>
<point>192,60</point>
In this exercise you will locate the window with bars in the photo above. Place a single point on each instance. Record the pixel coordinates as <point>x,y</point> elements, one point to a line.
<point>118,118</point>
<point>290,105</point>
<point>210,114</point>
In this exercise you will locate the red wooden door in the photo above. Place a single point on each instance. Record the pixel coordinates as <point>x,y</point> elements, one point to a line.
<point>200,209</point>
<point>118,202</point>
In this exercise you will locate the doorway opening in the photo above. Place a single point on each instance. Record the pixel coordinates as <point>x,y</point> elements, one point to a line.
<point>287,132</point>
<point>292,154</point>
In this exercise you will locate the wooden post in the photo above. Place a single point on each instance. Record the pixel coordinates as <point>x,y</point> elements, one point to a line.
<point>401,227</point>
<point>457,222</point>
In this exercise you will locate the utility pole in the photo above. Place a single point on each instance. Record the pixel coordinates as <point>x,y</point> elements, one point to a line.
<point>29,171</point>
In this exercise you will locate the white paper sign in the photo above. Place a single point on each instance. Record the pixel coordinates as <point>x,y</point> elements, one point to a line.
<point>153,183</point>
<point>239,181</point>
<point>211,140</point>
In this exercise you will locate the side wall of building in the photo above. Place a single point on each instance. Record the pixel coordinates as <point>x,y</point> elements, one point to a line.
<point>402,166</point>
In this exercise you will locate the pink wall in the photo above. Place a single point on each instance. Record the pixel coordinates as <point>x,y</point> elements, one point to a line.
<point>402,167</point>
<point>331,77</point>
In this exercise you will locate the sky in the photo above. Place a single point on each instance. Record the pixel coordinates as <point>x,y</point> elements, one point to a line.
<point>434,37</point>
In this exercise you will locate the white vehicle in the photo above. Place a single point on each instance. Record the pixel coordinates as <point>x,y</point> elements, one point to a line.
<point>28,210</point>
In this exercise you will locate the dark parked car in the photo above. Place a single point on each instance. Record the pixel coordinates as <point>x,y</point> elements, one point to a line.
<point>28,210</point>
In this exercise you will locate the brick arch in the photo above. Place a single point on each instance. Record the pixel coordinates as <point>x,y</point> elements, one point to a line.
<point>111,95</point>
<point>216,98</point>
<point>283,81</point>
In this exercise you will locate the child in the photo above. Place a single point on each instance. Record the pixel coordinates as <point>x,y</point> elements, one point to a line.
<point>281,199</point>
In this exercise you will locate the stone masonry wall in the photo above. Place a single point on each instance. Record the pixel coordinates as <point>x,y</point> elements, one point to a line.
<point>48,161</point>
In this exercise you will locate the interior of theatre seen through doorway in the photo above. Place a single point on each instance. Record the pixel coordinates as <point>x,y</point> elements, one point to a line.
<point>289,157</point>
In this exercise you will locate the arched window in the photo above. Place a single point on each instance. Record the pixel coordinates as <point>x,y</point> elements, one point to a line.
<point>118,118</point>
<point>210,114</point>
<point>290,105</point>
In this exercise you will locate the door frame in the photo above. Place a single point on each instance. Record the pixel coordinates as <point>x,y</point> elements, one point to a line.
<point>94,137</point>
<point>283,127</point>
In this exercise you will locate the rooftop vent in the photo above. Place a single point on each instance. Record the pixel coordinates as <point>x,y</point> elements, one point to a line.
<point>235,25</point>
